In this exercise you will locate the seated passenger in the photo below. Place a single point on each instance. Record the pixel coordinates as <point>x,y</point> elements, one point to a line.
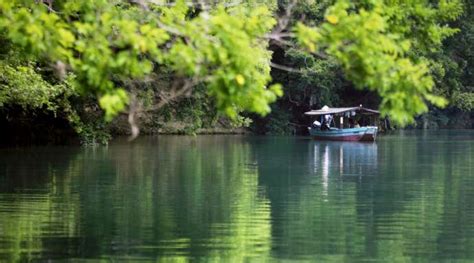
<point>316,125</point>
<point>326,122</point>
<point>351,123</point>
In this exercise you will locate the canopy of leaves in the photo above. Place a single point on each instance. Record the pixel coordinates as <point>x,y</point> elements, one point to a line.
<point>386,47</point>
<point>377,44</point>
<point>106,43</point>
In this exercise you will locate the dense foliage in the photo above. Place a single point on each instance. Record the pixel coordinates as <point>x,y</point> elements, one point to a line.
<point>414,39</point>
<point>89,61</point>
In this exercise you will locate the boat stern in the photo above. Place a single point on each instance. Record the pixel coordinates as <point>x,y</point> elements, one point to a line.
<point>370,134</point>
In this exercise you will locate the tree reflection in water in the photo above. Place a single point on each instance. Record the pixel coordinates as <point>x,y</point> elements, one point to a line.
<point>226,198</point>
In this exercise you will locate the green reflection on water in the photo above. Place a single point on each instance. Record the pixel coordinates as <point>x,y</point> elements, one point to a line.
<point>409,197</point>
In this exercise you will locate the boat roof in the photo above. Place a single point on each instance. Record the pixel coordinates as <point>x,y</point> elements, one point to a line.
<point>326,110</point>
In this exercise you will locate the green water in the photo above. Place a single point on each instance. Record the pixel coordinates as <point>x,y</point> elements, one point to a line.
<point>408,197</point>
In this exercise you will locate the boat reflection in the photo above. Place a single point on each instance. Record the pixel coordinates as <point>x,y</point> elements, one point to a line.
<point>344,159</point>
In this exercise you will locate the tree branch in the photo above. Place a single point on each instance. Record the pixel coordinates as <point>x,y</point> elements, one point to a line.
<point>134,108</point>
<point>174,94</point>
<point>285,68</point>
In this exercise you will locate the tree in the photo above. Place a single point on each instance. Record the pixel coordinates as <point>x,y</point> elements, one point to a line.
<point>222,47</point>
<point>383,46</point>
<point>115,48</point>
<point>454,76</point>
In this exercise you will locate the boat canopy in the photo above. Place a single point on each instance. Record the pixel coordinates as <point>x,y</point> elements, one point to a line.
<point>326,110</point>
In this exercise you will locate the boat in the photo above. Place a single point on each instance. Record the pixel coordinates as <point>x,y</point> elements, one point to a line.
<point>348,128</point>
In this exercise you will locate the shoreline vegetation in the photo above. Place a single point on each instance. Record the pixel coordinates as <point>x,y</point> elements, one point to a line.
<point>62,135</point>
<point>89,70</point>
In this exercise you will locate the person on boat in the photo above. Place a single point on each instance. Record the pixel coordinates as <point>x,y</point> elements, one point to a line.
<point>326,122</point>
<point>316,125</point>
<point>356,124</point>
<point>351,123</point>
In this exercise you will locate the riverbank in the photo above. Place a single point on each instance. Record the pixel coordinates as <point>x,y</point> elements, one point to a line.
<point>22,129</point>
<point>150,126</point>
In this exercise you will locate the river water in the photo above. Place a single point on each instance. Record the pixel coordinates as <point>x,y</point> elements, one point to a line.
<point>407,197</point>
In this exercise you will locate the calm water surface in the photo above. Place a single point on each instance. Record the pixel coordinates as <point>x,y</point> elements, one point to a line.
<point>408,197</point>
